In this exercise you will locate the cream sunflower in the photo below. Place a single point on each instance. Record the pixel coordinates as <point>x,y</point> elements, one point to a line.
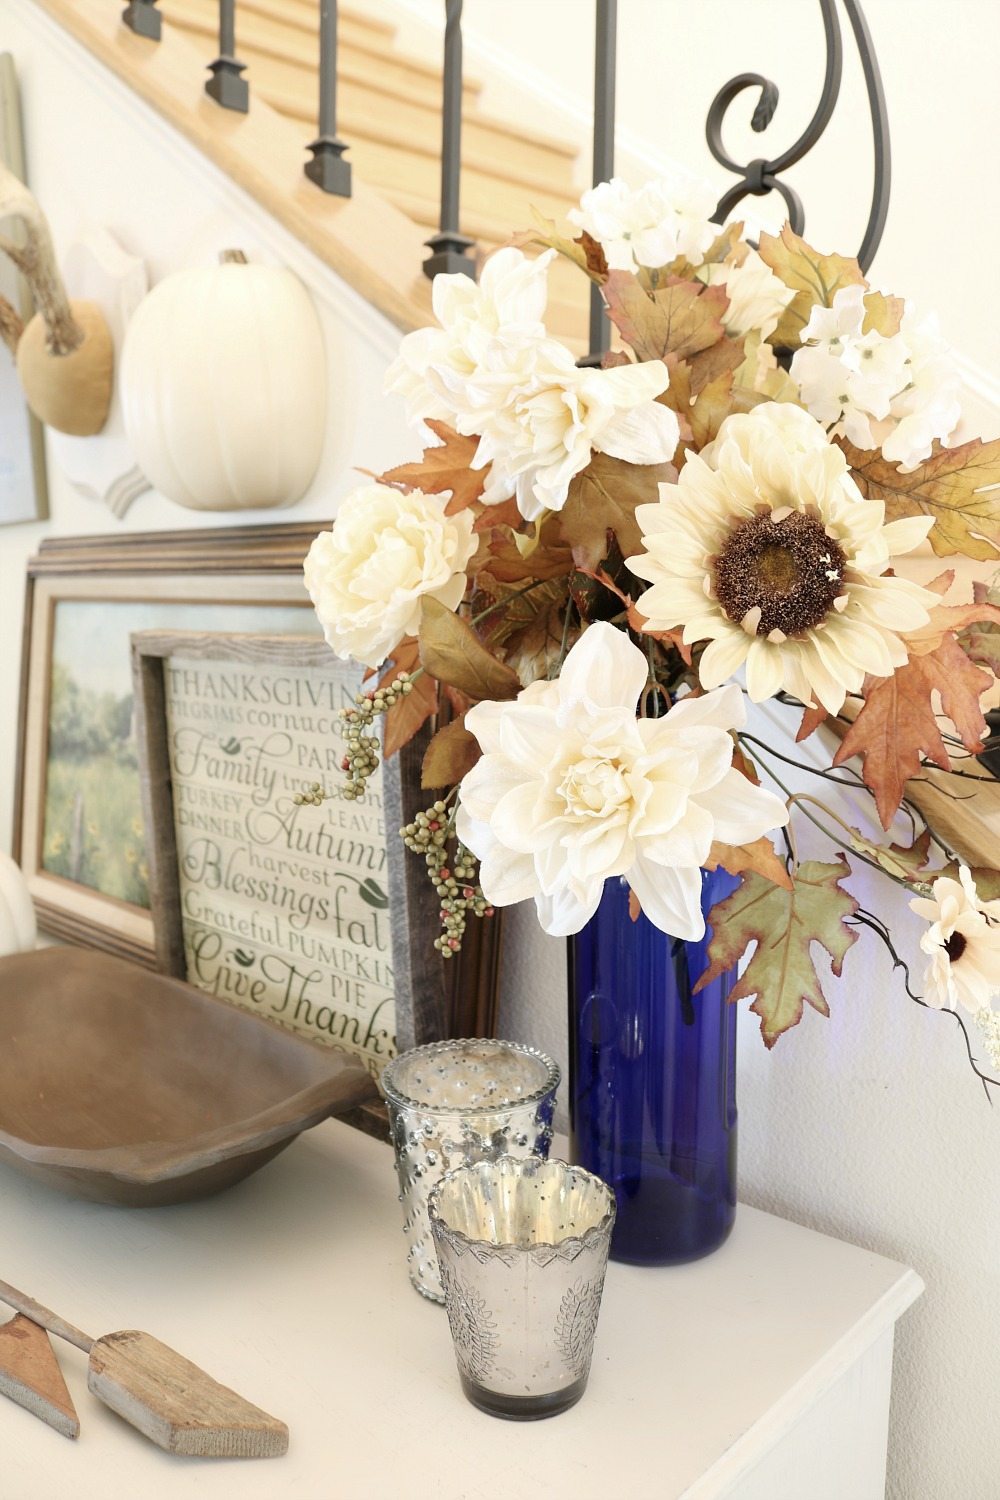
<point>766,549</point>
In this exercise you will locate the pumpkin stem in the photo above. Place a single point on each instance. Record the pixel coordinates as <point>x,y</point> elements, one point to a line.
<point>35,258</point>
<point>232,258</point>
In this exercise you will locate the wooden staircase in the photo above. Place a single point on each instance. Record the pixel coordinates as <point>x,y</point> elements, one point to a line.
<point>389,113</point>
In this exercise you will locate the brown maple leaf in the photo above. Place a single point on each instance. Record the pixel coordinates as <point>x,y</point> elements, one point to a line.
<point>957,486</point>
<point>760,856</point>
<point>784,924</point>
<point>445,467</point>
<point>603,498</point>
<point>813,277</point>
<point>682,319</point>
<point>897,723</point>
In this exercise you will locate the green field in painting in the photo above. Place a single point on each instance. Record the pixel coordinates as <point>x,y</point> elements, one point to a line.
<point>93,826</point>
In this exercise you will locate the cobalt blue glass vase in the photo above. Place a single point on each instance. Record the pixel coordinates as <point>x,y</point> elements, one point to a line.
<point>652,1080</point>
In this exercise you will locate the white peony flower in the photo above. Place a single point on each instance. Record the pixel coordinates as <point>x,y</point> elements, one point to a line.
<point>766,549</point>
<point>386,550</point>
<point>651,225</point>
<point>757,297</point>
<point>539,419</point>
<point>572,789</point>
<point>506,305</point>
<point>963,943</point>
<point>896,393</point>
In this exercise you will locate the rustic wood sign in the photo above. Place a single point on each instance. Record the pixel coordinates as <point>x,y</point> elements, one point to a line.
<point>306,914</point>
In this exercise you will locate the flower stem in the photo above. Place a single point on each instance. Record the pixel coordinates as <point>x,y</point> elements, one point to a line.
<point>500,603</point>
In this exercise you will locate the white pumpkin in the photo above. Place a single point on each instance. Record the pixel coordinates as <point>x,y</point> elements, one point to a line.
<point>17,910</point>
<point>223,386</point>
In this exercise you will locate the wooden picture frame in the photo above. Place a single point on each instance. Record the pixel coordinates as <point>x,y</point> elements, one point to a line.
<point>246,577</point>
<point>231,727</point>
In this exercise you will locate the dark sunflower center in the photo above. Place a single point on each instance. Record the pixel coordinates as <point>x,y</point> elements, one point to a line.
<point>955,946</point>
<point>789,569</point>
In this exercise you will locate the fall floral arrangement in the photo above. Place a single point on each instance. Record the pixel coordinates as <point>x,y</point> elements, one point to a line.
<point>590,571</point>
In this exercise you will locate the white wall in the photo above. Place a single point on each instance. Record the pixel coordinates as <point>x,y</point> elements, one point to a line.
<point>867,1125</point>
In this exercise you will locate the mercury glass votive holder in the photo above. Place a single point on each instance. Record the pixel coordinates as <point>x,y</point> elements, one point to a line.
<point>451,1103</point>
<point>522,1247</point>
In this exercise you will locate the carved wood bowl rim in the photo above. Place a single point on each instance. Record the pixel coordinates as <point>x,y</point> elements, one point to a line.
<point>340,1084</point>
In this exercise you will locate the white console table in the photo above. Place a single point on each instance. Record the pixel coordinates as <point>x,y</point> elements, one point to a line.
<point>761,1373</point>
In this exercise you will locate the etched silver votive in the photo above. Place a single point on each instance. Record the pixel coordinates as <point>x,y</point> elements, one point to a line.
<point>523,1248</point>
<point>456,1102</point>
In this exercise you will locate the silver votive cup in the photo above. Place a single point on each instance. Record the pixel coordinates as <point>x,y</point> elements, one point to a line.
<point>456,1102</point>
<point>523,1248</point>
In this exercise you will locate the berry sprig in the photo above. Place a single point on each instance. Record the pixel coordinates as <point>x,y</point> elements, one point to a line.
<point>361,758</point>
<point>457,886</point>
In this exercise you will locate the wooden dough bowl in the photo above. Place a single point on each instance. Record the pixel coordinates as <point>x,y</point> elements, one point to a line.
<point>129,1087</point>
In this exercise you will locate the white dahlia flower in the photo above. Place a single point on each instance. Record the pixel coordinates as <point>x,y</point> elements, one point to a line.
<point>766,549</point>
<point>573,789</point>
<point>386,550</point>
<point>962,942</point>
<point>651,225</point>
<point>539,419</point>
<point>897,392</point>
<point>506,305</point>
<point>757,297</point>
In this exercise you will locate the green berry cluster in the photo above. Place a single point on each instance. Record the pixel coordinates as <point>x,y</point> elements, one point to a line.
<point>313,796</point>
<point>361,758</point>
<point>457,886</point>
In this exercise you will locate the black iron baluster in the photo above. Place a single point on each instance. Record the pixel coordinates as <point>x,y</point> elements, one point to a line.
<point>226,86</point>
<point>605,59</point>
<point>762,176</point>
<point>142,17</point>
<point>449,247</point>
<point>328,169</point>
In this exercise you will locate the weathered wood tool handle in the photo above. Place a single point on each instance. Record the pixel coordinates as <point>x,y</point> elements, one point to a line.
<point>44,1317</point>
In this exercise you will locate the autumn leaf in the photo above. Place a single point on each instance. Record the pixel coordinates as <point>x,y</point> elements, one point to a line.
<point>987,880</point>
<point>585,252</point>
<point>745,766</point>
<point>453,751</point>
<point>409,714</point>
<point>897,723</point>
<point>952,618</point>
<point>446,466</point>
<point>953,486</point>
<point>784,924</point>
<point>905,861</point>
<point>452,652</point>
<point>504,561</point>
<point>682,319</point>
<point>981,641</point>
<point>883,314</point>
<point>603,498</point>
<point>812,718</point>
<point>759,857</point>
<point>814,278</point>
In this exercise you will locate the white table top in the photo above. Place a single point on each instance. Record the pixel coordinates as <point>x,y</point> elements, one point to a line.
<point>292,1289</point>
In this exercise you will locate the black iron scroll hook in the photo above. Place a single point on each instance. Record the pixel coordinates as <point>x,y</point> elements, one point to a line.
<point>762,176</point>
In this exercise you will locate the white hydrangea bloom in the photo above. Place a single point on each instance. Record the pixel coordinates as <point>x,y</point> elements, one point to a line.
<point>651,225</point>
<point>572,789</point>
<point>897,393</point>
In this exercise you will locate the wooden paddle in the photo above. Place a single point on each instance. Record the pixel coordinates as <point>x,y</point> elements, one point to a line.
<point>165,1396</point>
